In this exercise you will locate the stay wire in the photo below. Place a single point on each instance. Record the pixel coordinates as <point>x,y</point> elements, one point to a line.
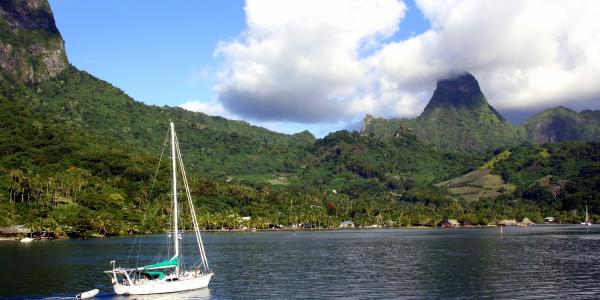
<point>138,238</point>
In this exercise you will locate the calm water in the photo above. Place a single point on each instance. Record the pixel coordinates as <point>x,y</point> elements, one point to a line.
<point>532,262</point>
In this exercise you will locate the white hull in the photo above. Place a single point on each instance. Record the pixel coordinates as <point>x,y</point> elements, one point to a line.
<point>88,294</point>
<point>26,240</point>
<point>161,287</point>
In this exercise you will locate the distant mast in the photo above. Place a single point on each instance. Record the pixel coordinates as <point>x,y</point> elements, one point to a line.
<point>175,212</point>
<point>587,216</point>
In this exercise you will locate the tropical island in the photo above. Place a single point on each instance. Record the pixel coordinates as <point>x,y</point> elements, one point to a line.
<point>78,156</point>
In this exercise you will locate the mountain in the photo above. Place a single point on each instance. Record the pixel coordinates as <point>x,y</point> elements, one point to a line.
<point>565,175</point>
<point>562,124</point>
<point>356,163</point>
<point>385,128</point>
<point>77,152</point>
<point>37,75</point>
<point>31,47</point>
<point>458,117</point>
<point>78,156</point>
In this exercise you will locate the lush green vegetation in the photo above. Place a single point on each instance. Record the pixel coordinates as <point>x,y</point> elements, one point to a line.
<point>78,157</point>
<point>562,124</point>
<point>562,176</point>
<point>457,117</point>
<point>65,170</point>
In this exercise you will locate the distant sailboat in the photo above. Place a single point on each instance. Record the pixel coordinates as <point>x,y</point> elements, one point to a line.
<point>587,218</point>
<point>169,275</point>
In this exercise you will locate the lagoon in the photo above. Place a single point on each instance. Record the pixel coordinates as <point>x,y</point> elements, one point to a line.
<point>542,261</point>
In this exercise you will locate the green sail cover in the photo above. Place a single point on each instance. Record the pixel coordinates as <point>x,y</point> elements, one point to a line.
<point>164,264</point>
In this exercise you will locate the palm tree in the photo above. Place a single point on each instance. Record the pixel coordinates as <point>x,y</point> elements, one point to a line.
<point>16,176</point>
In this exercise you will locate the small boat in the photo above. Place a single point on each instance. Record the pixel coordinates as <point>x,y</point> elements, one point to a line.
<point>169,275</point>
<point>26,240</point>
<point>88,294</point>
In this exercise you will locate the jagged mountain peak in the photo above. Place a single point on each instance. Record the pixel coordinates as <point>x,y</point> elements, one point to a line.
<point>458,116</point>
<point>28,15</point>
<point>458,93</point>
<point>31,47</point>
<point>463,83</point>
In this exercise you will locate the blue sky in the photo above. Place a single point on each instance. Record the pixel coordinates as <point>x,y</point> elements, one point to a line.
<point>153,50</point>
<point>323,65</point>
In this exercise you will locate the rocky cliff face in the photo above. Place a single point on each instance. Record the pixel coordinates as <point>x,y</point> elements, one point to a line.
<point>31,47</point>
<point>462,97</point>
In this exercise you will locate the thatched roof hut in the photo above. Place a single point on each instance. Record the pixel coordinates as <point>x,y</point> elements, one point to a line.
<point>14,230</point>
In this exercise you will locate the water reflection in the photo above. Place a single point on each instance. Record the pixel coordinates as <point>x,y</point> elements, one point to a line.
<point>532,262</point>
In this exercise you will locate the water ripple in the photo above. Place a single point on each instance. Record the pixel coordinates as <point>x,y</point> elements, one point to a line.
<point>532,263</point>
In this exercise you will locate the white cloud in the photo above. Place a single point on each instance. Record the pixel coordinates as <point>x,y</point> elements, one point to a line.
<point>200,76</point>
<point>300,60</point>
<point>211,108</point>
<point>214,108</point>
<point>525,54</point>
<point>328,63</point>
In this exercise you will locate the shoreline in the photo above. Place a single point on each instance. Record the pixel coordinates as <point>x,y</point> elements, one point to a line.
<point>16,239</point>
<point>9,239</point>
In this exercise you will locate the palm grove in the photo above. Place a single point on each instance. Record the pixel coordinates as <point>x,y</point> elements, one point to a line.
<point>78,157</point>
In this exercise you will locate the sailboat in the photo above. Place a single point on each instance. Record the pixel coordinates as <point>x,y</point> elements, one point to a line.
<point>169,275</point>
<point>587,218</point>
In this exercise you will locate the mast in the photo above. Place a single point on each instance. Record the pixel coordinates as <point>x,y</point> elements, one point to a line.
<point>586,215</point>
<point>175,212</point>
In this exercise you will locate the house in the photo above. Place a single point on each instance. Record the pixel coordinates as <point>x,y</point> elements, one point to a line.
<point>14,231</point>
<point>347,224</point>
<point>449,223</point>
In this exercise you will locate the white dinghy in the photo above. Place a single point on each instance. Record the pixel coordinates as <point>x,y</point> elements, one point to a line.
<point>169,275</point>
<point>88,294</point>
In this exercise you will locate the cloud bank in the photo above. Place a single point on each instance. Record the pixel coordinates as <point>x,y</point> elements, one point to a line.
<point>332,62</point>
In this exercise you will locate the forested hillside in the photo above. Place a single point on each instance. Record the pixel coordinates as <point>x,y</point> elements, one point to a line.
<point>562,124</point>
<point>78,157</point>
